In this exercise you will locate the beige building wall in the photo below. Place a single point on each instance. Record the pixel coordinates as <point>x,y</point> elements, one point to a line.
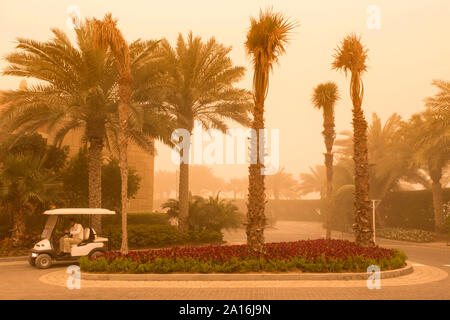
<point>138,159</point>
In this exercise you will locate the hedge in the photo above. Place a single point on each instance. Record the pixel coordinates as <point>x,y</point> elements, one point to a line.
<point>151,236</point>
<point>410,209</point>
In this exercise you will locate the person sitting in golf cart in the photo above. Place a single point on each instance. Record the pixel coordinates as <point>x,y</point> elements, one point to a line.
<point>72,236</point>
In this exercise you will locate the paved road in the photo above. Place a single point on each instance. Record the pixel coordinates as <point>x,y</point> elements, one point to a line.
<point>20,281</point>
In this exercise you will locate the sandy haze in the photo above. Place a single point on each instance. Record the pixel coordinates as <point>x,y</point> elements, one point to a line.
<point>409,50</point>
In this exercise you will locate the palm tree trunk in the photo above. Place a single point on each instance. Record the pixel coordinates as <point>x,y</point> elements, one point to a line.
<point>123,164</point>
<point>329,135</point>
<point>183,225</point>
<point>18,224</point>
<point>256,220</point>
<point>95,179</point>
<point>438,203</point>
<point>362,226</point>
<point>329,166</point>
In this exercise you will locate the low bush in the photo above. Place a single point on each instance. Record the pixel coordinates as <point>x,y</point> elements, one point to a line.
<point>413,235</point>
<point>210,213</point>
<point>20,248</point>
<point>149,236</point>
<point>305,256</point>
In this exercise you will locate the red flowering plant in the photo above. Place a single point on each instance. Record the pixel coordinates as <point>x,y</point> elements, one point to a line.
<point>306,256</point>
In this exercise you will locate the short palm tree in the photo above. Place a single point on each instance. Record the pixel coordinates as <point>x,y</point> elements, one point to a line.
<point>266,42</point>
<point>324,97</point>
<point>201,88</point>
<point>351,57</point>
<point>25,184</point>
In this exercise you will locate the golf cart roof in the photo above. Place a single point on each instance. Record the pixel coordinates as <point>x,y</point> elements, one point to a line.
<point>83,211</point>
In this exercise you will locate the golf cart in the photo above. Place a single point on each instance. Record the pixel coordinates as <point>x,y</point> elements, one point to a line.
<point>45,252</point>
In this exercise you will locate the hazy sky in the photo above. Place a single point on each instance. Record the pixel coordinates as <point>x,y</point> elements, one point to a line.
<point>411,48</point>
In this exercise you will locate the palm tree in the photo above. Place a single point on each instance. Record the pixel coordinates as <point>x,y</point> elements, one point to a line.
<point>201,88</point>
<point>316,180</point>
<point>324,97</point>
<point>77,90</point>
<point>25,184</point>
<point>351,57</point>
<point>282,184</point>
<point>108,36</point>
<point>428,138</point>
<point>390,155</point>
<point>441,101</point>
<point>434,144</point>
<point>74,94</point>
<point>266,42</point>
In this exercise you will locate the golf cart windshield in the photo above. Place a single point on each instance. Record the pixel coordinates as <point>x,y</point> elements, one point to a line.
<point>49,227</point>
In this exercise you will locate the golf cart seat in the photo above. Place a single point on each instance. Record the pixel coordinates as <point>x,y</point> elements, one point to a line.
<point>88,237</point>
<point>86,233</point>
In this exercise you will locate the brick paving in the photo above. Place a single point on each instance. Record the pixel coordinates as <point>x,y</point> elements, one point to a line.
<point>421,275</point>
<point>20,281</point>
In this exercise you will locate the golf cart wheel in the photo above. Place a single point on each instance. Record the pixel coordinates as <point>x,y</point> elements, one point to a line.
<point>96,254</point>
<point>43,261</point>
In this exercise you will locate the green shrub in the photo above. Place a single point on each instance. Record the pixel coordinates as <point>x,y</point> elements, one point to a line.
<point>212,213</point>
<point>413,235</point>
<point>149,236</point>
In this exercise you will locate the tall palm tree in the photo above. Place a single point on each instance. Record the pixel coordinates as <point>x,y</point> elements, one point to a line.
<point>351,57</point>
<point>266,42</point>
<point>108,36</point>
<point>324,97</point>
<point>201,87</point>
<point>77,90</point>
<point>73,93</point>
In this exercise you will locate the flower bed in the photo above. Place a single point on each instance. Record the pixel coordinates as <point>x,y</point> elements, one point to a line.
<point>301,256</point>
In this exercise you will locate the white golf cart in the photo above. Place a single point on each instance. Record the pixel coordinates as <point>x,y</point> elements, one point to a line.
<point>44,253</point>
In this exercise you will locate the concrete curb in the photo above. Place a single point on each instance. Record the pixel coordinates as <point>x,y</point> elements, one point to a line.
<point>408,269</point>
<point>12,259</point>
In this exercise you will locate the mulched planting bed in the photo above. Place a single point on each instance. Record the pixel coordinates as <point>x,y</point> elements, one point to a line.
<point>299,256</point>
